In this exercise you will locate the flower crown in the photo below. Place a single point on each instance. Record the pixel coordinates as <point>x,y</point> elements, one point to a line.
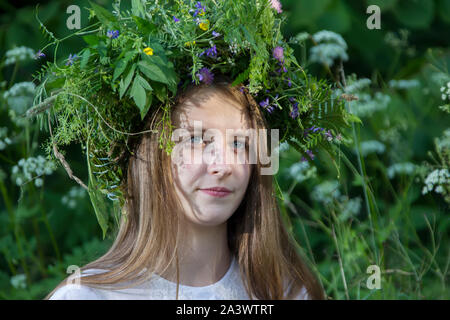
<point>135,62</point>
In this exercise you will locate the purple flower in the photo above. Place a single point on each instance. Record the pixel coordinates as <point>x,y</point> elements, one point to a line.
<point>264,103</point>
<point>294,112</point>
<point>39,54</point>
<point>205,75</point>
<point>310,154</point>
<point>278,53</point>
<point>215,34</point>
<point>200,8</point>
<point>289,82</point>
<point>175,19</point>
<point>113,34</point>
<point>328,135</point>
<point>266,106</point>
<point>70,59</point>
<point>211,52</point>
<point>276,5</point>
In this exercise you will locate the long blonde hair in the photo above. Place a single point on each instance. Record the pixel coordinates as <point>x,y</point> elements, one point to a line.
<point>149,233</point>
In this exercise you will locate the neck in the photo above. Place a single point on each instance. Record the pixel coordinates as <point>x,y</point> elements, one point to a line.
<point>203,255</point>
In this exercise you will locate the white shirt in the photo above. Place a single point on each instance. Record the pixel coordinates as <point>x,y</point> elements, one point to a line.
<point>229,287</point>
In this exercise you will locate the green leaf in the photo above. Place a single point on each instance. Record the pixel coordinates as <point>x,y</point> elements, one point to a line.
<point>124,84</point>
<point>91,40</point>
<point>137,8</point>
<point>97,198</point>
<point>139,95</point>
<point>241,78</point>
<point>103,15</point>
<point>352,118</point>
<point>122,64</point>
<point>147,106</point>
<point>153,71</point>
<point>145,26</point>
<point>85,58</point>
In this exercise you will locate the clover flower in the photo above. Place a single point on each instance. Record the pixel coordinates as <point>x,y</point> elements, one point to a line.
<point>205,75</point>
<point>278,53</point>
<point>113,34</point>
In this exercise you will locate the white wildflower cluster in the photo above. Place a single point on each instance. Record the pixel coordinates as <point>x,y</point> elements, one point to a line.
<point>299,38</point>
<point>326,192</point>
<point>4,140</point>
<point>330,46</point>
<point>372,146</point>
<point>445,92</point>
<point>71,198</point>
<point>32,168</point>
<point>19,281</point>
<point>282,147</point>
<point>366,105</point>
<point>301,171</point>
<point>19,54</point>
<point>438,181</point>
<point>404,84</point>
<point>349,207</point>
<point>406,168</point>
<point>444,141</point>
<point>357,85</point>
<point>19,98</point>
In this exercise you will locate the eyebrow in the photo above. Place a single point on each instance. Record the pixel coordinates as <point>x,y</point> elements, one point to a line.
<point>190,128</point>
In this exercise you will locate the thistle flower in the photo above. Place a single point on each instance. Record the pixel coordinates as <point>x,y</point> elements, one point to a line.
<point>113,34</point>
<point>276,5</point>
<point>205,75</point>
<point>278,53</point>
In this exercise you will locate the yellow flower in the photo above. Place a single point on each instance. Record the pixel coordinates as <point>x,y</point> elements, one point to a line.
<point>204,25</point>
<point>148,51</point>
<point>189,43</point>
<point>202,13</point>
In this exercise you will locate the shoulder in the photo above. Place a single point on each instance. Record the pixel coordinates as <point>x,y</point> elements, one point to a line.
<point>76,292</point>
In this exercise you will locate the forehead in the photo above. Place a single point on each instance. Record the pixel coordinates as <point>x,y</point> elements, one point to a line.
<point>213,109</point>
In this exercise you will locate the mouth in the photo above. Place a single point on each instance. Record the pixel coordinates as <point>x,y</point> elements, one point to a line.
<point>217,192</point>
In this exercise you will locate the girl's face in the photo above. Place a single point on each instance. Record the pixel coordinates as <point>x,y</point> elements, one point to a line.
<point>202,161</point>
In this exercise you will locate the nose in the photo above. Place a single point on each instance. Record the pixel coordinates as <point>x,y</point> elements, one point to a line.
<point>217,164</point>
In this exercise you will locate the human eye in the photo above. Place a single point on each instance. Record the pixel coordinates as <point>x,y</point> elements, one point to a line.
<point>240,144</point>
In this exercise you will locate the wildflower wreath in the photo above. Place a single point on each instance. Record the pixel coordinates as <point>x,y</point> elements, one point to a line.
<point>136,61</point>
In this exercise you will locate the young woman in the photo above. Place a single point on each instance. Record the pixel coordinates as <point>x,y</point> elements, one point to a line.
<point>182,237</point>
